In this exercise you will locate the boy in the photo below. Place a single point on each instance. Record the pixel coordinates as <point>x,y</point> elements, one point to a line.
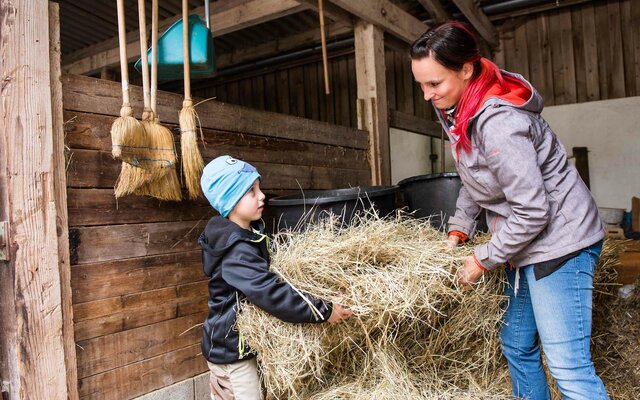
<point>237,261</point>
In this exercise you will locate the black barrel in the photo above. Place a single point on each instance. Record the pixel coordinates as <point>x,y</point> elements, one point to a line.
<point>434,196</point>
<point>298,210</point>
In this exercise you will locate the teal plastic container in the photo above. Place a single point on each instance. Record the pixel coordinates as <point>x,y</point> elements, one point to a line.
<point>170,58</point>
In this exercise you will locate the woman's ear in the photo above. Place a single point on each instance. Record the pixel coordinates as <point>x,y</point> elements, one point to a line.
<point>467,71</point>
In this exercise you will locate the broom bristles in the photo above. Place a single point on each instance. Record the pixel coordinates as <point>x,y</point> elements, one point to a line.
<point>128,137</point>
<point>130,179</point>
<point>192,162</point>
<point>162,179</point>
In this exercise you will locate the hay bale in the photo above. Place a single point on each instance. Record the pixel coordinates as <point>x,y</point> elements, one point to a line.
<point>415,334</point>
<point>414,331</point>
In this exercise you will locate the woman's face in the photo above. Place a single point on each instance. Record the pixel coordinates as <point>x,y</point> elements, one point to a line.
<point>440,85</point>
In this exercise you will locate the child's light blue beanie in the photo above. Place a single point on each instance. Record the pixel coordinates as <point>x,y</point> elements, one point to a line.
<point>225,180</point>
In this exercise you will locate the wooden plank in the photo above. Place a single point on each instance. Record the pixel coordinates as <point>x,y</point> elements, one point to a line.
<point>283,91</point>
<point>404,84</point>
<point>536,69</point>
<point>435,10</point>
<point>343,94</point>
<point>311,85</point>
<point>145,376</point>
<point>60,188</point>
<point>479,20</point>
<point>389,62</point>
<point>590,54</point>
<point>88,207</point>
<point>373,111</point>
<point>562,57</point>
<point>616,75</point>
<point>243,15</point>
<point>628,46</point>
<point>579,50</point>
<point>270,92</point>
<point>118,314</point>
<point>498,55</point>
<point>353,91</point>
<point>604,50</point>
<point>414,124</point>
<point>635,24</point>
<point>386,15</point>
<point>297,91</point>
<point>91,95</point>
<point>115,242</point>
<point>96,169</point>
<point>108,352</point>
<point>547,88</point>
<point>32,344</point>
<point>521,53</point>
<point>103,280</point>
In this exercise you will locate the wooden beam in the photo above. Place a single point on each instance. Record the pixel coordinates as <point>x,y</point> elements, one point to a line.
<point>411,123</point>
<point>243,15</point>
<point>435,9</point>
<point>372,98</point>
<point>60,188</point>
<point>31,327</point>
<point>331,11</point>
<point>266,50</point>
<point>386,15</point>
<point>479,20</point>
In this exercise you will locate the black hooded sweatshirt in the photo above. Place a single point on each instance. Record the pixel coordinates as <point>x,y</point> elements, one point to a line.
<point>236,261</point>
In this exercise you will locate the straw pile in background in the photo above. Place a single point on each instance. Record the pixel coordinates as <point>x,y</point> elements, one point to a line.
<point>414,334</point>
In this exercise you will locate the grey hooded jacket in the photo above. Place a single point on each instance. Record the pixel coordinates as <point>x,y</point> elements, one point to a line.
<point>537,206</point>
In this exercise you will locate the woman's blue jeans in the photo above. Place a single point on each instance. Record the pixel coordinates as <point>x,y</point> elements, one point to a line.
<point>557,309</point>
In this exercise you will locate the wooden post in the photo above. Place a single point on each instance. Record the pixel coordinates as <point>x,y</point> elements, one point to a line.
<point>373,112</point>
<point>60,187</point>
<point>31,327</point>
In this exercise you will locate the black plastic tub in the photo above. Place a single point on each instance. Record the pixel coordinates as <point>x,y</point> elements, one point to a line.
<point>297,211</point>
<point>434,196</point>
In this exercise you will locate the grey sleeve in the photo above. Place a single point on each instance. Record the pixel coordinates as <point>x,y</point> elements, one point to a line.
<point>511,156</point>
<point>464,219</point>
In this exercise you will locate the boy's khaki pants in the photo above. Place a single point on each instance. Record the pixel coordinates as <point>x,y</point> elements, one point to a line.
<point>237,381</point>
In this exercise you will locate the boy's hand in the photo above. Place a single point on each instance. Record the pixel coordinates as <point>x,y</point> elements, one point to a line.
<point>339,313</point>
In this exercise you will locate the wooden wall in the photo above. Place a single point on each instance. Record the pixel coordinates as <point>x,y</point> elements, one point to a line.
<point>139,294</point>
<point>585,52</point>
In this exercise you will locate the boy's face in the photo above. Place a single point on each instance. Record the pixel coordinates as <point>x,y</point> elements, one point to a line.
<point>250,206</point>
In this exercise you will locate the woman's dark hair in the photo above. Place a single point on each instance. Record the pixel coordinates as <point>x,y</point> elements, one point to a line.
<point>453,45</point>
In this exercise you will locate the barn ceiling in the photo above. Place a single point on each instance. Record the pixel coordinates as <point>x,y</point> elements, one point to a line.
<point>89,27</point>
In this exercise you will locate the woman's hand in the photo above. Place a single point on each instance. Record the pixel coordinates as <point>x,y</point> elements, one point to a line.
<point>453,241</point>
<point>470,273</point>
<point>339,313</point>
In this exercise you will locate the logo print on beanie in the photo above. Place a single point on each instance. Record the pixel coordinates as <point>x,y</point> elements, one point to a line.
<point>231,161</point>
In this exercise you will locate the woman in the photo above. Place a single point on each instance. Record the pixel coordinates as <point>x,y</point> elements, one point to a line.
<point>545,225</point>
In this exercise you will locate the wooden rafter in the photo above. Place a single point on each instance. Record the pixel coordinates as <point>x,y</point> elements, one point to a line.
<point>435,9</point>
<point>240,16</point>
<point>479,20</point>
<point>278,46</point>
<point>386,15</point>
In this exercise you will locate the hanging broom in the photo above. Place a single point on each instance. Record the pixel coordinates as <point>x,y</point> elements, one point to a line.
<point>192,162</point>
<point>163,180</point>
<point>128,137</point>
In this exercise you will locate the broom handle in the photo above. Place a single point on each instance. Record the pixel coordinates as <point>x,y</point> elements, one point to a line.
<point>154,56</point>
<point>142,21</point>
<point>122,41</point>
<point>185,52</point>
<point>323,39</point>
